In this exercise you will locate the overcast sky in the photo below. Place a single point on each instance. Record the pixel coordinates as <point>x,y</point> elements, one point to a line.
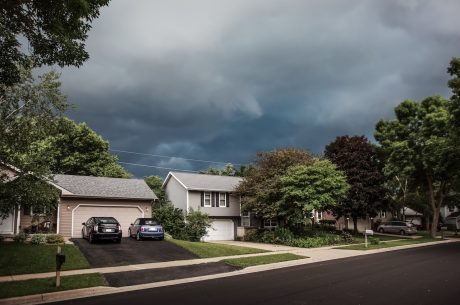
<point>221,80</point>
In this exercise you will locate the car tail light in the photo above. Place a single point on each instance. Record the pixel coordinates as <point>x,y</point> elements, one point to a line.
<point>96,228</point>
<point>142,229</point>
<point>119,228</point>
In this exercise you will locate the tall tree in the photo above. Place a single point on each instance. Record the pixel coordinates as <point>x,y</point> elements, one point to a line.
<point>356,157</point>
<point>156,185</point>
<point>76,149</point>
<point>312,187</point>
<point>44,33</point>
<point>261,187</point>
<point>420,142</point>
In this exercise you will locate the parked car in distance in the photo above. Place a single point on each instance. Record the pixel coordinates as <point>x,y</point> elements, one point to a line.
<point>98,228</point>
<point>397,227</point>
<point>146,228</point>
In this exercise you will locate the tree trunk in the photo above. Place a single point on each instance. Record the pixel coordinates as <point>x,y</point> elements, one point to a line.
<point>427,223</point>
<point>355,224</point>
<point>435,205</point>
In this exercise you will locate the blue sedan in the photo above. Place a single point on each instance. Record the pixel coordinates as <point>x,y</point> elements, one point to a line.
<point>146,228</point>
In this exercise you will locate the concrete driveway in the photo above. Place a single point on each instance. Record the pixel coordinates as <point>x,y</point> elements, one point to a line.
<point>130,251</point>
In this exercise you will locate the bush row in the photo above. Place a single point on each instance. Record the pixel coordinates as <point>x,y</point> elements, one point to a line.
<point>313,239</point>
<point>39,239</point>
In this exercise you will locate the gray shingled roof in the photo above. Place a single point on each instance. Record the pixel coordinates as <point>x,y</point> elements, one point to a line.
<point>207,182</point>
<point>89,186</point>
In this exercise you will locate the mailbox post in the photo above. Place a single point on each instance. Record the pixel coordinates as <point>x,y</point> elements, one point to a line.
<point>60,260</point>
<point>367,232</point>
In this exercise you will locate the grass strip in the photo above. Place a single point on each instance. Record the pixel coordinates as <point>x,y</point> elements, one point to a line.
<point>16,258</point>
<point>38,286</point>
<point>206,250</point>
<point>262,260</point>
<point>387,244</point>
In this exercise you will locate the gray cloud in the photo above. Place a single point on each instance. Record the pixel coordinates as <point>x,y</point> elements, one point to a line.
<point>220,80</point>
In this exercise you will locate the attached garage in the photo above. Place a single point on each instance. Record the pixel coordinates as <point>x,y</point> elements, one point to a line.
<point>125,215</point>
<point>222,229</point>
<point>83,197</point>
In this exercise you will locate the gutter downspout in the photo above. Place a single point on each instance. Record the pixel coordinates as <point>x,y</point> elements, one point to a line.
<point>18,219</point>
<point>58,216</point>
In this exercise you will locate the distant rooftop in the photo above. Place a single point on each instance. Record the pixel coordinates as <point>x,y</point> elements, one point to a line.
<point>104,187</point>
<point>204,182</point>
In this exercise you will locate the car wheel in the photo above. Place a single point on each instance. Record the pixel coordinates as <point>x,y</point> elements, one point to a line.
<point>161,238</point>
<point>91,238</point>
<point>402,232</point>
<point>381,230</point>
<point>138,236</point>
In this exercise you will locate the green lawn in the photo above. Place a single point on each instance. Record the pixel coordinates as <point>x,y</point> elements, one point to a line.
<point>205,250</point>
<point>262,260</point>
<point>38,286</point>
<point>360,238</point>
<point>18,258</point>
<point>388,244</point>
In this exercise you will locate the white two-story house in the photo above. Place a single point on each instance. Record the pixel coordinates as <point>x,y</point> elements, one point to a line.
<point>211,194</point>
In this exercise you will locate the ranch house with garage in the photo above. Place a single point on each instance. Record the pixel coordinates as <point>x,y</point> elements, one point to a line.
<point>211,194</point>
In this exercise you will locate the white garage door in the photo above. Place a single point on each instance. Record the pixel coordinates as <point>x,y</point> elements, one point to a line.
<point>125,215</point>
<point>222,229</point>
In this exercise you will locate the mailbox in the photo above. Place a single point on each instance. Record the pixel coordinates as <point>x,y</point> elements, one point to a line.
<point>60,259</point>
<point>369,232</point>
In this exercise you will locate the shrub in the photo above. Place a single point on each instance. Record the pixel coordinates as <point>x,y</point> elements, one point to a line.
<point>38,239</point>
<point>2,238</point>
<point>20,237</point>
<point>171,218</point>
<point>346,237</point>
<point>373,240</point>
<point>54,239</point>
<point>329,222</point>
<point>196,226</point>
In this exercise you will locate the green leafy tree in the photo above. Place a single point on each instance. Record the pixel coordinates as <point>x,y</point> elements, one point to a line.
<point>311,187</point>
<point>44,33</point>
<point>454,84</point>
<point>171,218</point>
<point>156,185</point>
<point>197,225</point>
<point>228,170</point>
<point>420,143</point>
<point>356,157</point>
<point>76,149</point>
<point>261,188</point>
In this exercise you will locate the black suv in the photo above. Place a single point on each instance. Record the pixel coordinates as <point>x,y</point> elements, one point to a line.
<point>97,228</point>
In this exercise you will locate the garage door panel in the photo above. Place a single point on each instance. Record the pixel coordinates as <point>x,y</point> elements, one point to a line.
<point>222,229</point>
<point>124,214</point>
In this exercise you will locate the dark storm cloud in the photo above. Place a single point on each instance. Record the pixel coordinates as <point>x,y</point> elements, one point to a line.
<point>220,80</point>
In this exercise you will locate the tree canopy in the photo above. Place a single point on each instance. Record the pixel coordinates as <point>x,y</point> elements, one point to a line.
<point>156,185</point>
<point>420,143</point>
<point>356,157</point>
<point>44,33</point>
<point>261,187</point>
<point>318,186</point>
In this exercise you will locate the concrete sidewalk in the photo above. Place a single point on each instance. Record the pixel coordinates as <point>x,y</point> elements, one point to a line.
<point>314,255</point>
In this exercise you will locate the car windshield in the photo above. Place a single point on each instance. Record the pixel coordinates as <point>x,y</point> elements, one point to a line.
<point>150,222</point>
<point>106,220</point>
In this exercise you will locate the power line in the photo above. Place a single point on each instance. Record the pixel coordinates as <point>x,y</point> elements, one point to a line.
<point>159,167</point>
<point>162,156</point>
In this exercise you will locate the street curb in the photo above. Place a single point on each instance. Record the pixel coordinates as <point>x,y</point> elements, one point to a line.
<point>99,291</point>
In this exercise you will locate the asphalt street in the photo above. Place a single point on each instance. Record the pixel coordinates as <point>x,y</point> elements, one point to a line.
<point>427,275</point>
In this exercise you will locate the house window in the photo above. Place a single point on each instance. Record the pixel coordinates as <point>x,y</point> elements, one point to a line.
<point>383,214</point>
<point>207,199</point>
<point>270,223</point>
<point>319,215</point>
<point>246,219</point>
<point>222,200</point>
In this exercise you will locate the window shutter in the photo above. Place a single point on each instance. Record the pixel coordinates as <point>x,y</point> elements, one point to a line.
<point>217,199</point>
<point>202,199</point>
<point>213,199</point>
<point>227,199</point>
